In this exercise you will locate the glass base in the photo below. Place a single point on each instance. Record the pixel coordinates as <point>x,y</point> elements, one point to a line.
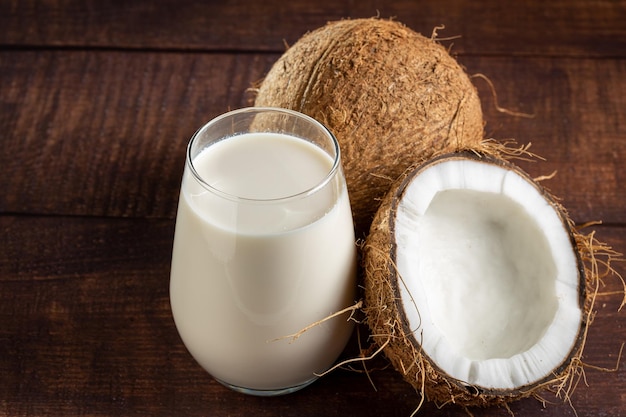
<point>268,392</point>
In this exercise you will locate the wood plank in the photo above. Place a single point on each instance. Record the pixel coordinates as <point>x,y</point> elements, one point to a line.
<point>86,329</point>
<point>106,131</point>
<point>577,124</point>
<point>562,27</point>
<point>84,303</point>
<point>97,103</point>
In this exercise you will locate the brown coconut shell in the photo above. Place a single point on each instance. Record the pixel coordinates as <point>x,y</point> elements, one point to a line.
<point>387,322</point>
<point>392,97</point>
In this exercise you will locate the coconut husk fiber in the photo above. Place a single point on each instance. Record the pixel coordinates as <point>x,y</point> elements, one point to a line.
<point>389,328</point>
<point>391,96</point>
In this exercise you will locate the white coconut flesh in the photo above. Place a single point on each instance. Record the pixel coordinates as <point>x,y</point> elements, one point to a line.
<point>490,284</point>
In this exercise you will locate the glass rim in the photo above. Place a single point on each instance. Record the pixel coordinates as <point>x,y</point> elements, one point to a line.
<point>233,197</point>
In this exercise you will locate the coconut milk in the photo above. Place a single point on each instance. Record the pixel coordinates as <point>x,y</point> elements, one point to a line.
<point>246,274</point>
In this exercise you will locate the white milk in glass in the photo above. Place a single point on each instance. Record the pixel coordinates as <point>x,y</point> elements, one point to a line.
<point>246,273</point>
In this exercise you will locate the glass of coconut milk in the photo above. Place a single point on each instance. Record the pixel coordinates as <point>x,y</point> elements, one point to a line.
<point>264,251</point>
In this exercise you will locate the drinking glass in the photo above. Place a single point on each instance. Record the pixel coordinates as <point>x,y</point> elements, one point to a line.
<point>264,251</point>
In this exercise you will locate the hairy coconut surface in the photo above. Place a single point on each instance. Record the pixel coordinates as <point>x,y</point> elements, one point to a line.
<point>392,97</point>
<point>475,282</point>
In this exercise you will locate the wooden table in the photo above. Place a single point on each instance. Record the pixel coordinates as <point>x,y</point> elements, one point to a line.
<point>97,102</point>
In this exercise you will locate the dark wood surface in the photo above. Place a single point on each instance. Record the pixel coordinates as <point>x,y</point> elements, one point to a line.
<point>97,102</point>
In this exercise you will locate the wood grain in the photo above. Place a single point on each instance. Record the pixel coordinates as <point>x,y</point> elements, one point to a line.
<point>97,103</point>
<point>555,28</point>
<point>106,132</point>
<point>79,114</point>
<point>86,329</point>
<point>577,124</point>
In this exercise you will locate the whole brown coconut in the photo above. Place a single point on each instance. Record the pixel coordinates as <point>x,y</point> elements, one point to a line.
<point>477,284</point>
<point>391,96</point>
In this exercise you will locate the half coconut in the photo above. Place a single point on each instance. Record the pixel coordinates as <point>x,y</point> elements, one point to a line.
<point>474,283</point>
